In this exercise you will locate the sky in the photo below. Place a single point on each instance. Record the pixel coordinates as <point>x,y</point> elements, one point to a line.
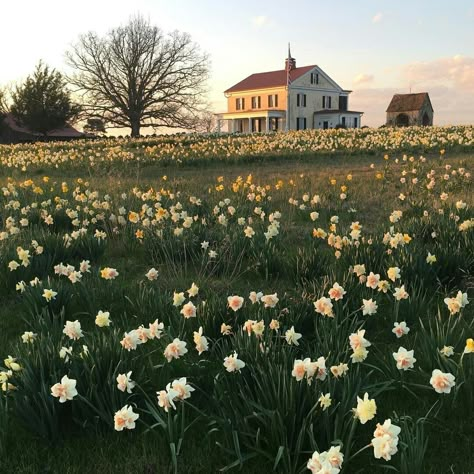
<point>373,47</point>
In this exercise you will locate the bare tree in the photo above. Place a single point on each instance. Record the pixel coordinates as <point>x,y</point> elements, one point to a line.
<point>137,76</point>
<point>3,111</point>
<point>205,122</point>
<point>3,102</point>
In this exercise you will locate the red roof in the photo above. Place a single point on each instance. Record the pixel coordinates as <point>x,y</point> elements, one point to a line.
<point>408,102</point>
<point>66,132</point>
<point>264,80</point>
<point>11,123</point>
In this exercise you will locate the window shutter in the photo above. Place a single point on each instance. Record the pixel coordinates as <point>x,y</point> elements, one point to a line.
<point>304,100</point>
<point>304,123</point>
<point>243,104</point>
<point>324,101</point>
<point>329,102</point>
<point>297,100</point>
<point>258,101</point>
<point>276,100</point>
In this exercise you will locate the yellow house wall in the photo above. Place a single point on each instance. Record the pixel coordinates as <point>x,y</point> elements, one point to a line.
<point>263,93</point>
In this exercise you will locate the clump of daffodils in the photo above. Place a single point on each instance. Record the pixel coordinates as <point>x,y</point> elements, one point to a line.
<point>329,461</point>
<point>385,440</point>
<point>178,390</point>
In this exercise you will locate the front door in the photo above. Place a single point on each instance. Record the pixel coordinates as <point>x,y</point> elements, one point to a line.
<point>325,125</point>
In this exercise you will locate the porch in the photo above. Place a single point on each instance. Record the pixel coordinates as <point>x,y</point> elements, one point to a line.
<point>257,121</point>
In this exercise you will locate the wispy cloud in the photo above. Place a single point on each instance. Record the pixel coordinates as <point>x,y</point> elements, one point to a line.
<point>456,72</point>
<point>377,18</point>
<point>363,79</point>
<point>449,81</point>
<point>259,21</point>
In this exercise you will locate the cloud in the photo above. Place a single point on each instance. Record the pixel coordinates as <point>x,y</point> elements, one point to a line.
<point>377,18</point>
<point>259,21</point>
<point>362,79</point>
<point>456,72</point>
<point>449,81</point>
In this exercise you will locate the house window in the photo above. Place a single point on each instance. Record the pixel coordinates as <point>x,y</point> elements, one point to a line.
<point>314,78</point>
<point>256,104</point>
<point>343,123</point>
<point>342,102</point>
<point>326,102</point>
<point>240,103</point>
<point>301,100</point>
<point>301,123</point>
<point>273,100</point>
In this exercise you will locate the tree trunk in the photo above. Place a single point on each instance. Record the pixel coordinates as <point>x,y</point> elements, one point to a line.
<point>135,125</point>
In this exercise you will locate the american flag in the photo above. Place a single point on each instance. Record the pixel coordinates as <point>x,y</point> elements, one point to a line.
<point>289,64</point>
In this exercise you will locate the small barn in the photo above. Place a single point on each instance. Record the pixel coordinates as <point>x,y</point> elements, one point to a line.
<point>13,132</point>
<point>410,109</point>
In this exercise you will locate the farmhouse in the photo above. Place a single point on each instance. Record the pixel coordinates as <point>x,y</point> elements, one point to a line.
<point>292,98</point>
<point>410,109</point>
<point>13,132</point>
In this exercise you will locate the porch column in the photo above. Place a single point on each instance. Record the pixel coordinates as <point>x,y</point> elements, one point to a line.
<point>267,123</point>
<point>250,125</point>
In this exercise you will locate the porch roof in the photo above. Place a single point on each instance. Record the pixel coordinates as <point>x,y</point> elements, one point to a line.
<point>270,113</point>
<point>332,111</point>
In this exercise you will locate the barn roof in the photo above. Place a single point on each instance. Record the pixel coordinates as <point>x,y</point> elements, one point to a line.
<point>11,123</point>
<point>264,80</point>
<point>65,132</point>
<point>408,102</point>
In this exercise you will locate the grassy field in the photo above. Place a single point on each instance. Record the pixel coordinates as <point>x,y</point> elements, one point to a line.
<point>240,420</point>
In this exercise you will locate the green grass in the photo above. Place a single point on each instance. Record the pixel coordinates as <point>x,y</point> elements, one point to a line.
<point>451,445</point>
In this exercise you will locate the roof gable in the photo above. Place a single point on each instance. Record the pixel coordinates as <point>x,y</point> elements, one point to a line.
<point>323,74</point>
<point>408,102</point>
<point>266,80</point>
